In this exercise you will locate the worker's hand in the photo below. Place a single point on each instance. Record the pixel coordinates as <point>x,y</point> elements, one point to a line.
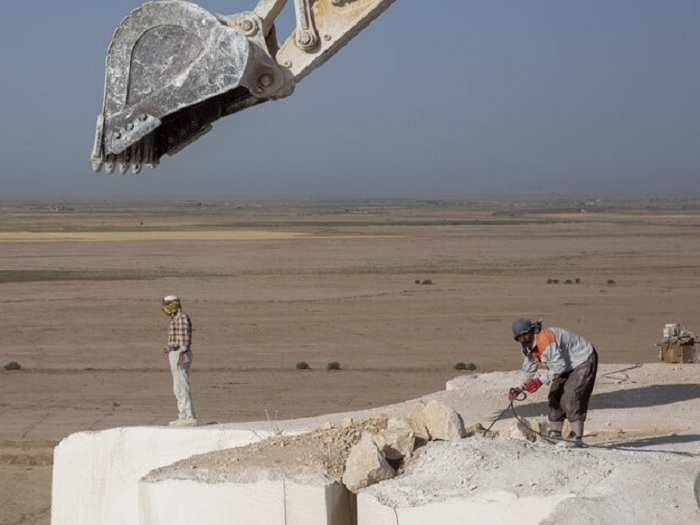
<point>513,393</point>
<point>166,349</point>
<point>533,385</point>
<point>181,360</point>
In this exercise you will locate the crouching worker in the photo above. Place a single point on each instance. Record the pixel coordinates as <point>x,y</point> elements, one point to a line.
<point>570,363</point>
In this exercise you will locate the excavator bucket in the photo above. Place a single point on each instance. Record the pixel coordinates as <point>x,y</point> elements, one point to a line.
<point>172,69</point>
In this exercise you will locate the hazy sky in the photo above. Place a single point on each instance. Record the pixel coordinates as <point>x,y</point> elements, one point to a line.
<point>437,98</point>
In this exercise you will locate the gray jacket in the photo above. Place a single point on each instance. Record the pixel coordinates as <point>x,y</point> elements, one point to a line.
<point>559,349</point>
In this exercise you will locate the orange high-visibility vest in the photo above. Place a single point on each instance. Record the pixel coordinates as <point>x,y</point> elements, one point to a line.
<point>542,340</point>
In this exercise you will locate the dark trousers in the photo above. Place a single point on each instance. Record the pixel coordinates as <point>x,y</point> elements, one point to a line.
<point>570,392</point>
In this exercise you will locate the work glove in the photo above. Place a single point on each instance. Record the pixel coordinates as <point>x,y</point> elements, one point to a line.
<point>513,393</point>
<point>533,385</point>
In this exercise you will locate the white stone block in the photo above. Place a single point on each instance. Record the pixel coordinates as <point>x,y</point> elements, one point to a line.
<point>270,502</point>
<point>502,508</point>
<point>96,474</point>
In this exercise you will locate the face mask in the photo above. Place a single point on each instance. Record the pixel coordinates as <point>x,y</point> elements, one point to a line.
<point>171,307</point>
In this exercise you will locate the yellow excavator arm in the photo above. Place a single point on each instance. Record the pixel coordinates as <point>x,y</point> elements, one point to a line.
<point>173,68</point>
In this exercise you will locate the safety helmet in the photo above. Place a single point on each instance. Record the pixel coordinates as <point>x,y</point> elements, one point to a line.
<point>171,304</point>
<point>525,326</point>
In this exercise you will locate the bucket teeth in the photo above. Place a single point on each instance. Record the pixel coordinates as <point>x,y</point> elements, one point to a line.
<point>110,162</point>
<point>134,158</point>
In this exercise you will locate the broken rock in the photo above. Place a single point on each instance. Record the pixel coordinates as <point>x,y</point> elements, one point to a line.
<point>397,441</point>
<point>416,418</point>
<point>527,430</point>
<point>366,465</point>
<point>442,422</point>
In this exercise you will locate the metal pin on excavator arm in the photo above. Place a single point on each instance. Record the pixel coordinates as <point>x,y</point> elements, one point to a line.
<point>173,68</point>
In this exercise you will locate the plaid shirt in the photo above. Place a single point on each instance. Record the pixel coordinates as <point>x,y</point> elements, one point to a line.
<point>180,332</point>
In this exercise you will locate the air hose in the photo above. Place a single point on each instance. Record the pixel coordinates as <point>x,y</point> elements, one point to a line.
<point>515,395</point>
<point>519,395</point>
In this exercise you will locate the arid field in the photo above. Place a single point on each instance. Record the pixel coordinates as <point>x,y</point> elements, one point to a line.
<point>397,293</point>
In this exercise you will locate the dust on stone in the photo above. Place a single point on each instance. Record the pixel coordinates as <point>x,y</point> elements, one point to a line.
<point>321,453</point>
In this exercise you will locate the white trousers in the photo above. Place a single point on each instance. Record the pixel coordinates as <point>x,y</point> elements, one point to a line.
<point>181,384</point>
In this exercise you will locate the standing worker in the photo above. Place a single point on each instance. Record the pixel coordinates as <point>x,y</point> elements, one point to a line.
<point>570,364</point>
<point>179,350</point>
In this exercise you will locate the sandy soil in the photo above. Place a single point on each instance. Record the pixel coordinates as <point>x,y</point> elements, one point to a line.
<point>320,283</point>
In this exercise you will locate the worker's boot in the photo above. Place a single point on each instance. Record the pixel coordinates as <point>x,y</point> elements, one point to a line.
<point>576,435</point>
<point>555,430</point>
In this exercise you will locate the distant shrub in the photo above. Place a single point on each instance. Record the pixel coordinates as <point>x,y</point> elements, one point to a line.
<point>465,366</point>
<point>567,281</point>
<point>334,365</point>
<point>611,281</point>
<point>303,365</point>
<point>13,365</point>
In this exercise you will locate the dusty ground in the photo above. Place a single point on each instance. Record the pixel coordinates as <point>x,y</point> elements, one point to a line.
<point>271,286</point>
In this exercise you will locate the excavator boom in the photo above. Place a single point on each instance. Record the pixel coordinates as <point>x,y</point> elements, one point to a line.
<point>173,68</point>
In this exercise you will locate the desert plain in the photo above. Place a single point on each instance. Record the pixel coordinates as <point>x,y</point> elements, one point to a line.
<point>396,293</point>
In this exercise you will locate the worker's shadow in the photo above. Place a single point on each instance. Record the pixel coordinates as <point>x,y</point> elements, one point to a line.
<point>648,396</point>
<point>644,443</point>
<point>631,398</point>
